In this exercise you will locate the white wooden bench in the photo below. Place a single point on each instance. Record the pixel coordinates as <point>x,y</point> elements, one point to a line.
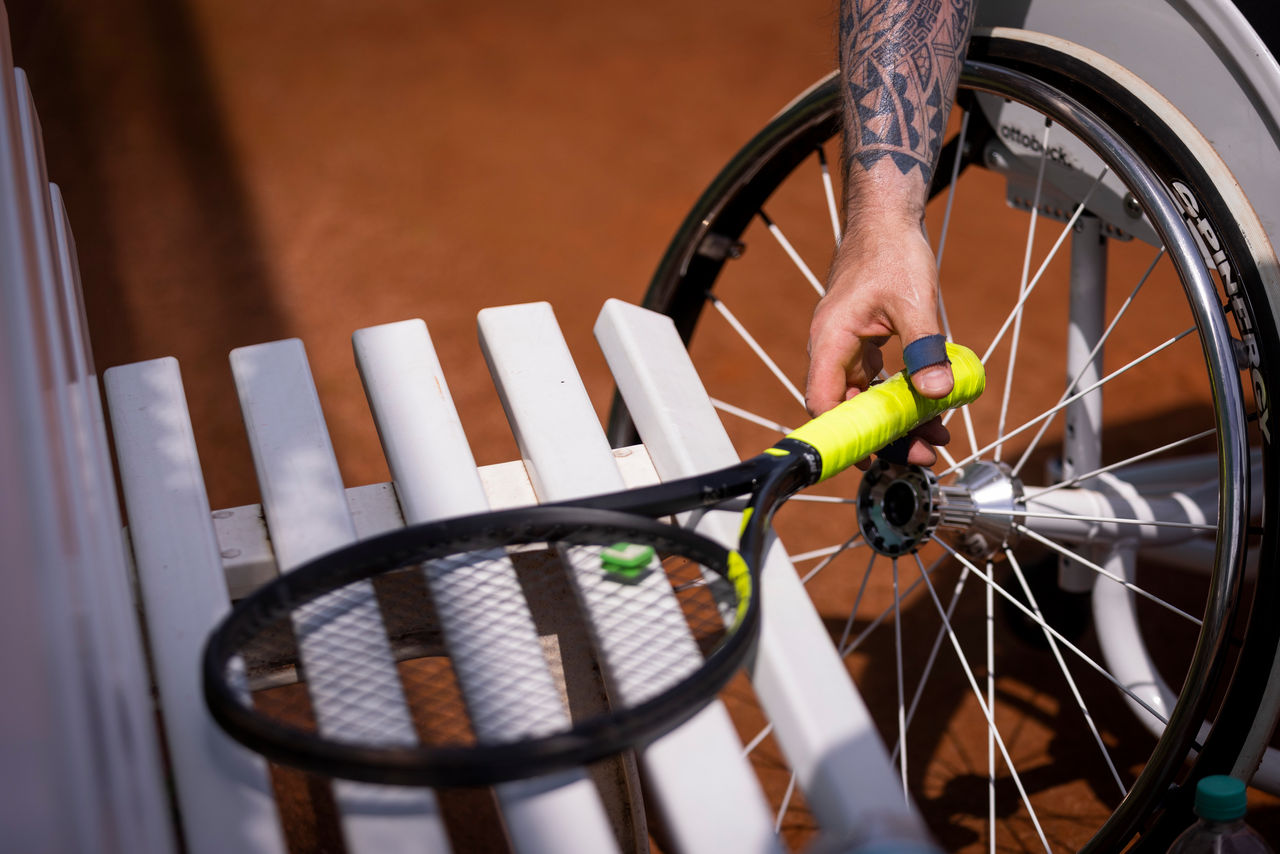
<point>702,785</point>
<point>87,767</point>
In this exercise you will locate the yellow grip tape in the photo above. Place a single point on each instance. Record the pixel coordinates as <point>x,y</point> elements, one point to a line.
<point>887,411</point>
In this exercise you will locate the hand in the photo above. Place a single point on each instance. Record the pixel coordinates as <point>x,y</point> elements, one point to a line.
<point>883,282</point>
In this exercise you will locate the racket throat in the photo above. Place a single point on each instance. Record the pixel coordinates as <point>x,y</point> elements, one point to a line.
<point>786,468</point>
<point>803,463</point>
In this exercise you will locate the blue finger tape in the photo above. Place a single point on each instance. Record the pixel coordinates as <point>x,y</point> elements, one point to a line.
<point>925,352</point>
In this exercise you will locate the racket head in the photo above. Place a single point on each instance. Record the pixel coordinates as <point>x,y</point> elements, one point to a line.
<point>288,672</point>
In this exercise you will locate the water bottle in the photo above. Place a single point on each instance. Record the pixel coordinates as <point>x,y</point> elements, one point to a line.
<point>1220,804</point>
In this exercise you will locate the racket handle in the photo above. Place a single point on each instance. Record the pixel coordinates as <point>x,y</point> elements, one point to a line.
<point>884,412</point>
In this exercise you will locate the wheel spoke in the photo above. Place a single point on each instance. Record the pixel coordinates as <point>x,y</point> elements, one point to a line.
<point>1016,309</point>
<point>745,415</point>
<point>897,655</point>
<point>1109,520</point>
<point>1053,253</point>
<point>967,417</point>
<point>817,553</point>
<point>1049,413</point>
<point>945,454</point>
<point>832,552</point>
<point>946,216</point>
<point>857,602</point>
<point>829,190</point>
<point>846,649</point>
<point>755,742</point>
<point>1088,564</point>
<point>792,253</point>
<point>755,347</point>
<point>1097,348</point>
<point>786,803</point>
<point>938,638</point>
<point>824,499</point>
<point>1137,458</point>
<point>1062,639</point>
<point>1066,673</point>
<point>986,708</point>
<point>1022,296</point>
<point>942,245</point>
<point>990,605</point>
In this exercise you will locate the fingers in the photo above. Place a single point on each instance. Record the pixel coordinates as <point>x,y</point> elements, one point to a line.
<point>921,453</point>
<point>909,450</point>
<point>827,384</point>
<point>933,431</point>
<point>840,365</point>
<point>924,439</point>
<point>917,447</point>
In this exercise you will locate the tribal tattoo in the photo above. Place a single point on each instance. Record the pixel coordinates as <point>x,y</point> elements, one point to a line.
<point>901,60</point>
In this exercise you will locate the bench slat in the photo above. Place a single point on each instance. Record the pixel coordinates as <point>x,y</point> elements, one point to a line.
<point>82,741</point>
<point>705,789</point>
<point>120,650</point>
<point>819,718</point>
<point>222,789</point>
<point>131,791</point>
<point>340,635</point>
<point>435,476</point>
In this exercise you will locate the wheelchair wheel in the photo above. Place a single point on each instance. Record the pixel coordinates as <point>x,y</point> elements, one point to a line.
<point>1121,291</point>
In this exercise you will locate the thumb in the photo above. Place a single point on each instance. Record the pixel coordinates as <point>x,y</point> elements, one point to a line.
<point>925,356</point>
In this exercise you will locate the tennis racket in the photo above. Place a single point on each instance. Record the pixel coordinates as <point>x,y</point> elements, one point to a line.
<point>414,657</point>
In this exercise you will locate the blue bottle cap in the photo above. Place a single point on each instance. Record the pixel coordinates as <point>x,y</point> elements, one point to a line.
<point>1220,798</point>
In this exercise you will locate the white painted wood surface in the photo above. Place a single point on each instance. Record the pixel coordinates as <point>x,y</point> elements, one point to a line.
<point>435,476</point>
<point>43,740</point>
<point>222,789</point>
<point>705,789</point>
<point>702,784</point>
<point>79,758</point>
<point>819,718</point>
<point>339,634</point>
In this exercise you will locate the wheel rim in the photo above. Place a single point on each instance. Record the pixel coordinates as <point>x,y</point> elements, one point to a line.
<point>715,227</point>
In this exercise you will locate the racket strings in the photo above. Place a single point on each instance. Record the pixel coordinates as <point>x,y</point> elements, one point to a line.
<point>706,599</point>
<point>494,646</point>
<point>341,691</point>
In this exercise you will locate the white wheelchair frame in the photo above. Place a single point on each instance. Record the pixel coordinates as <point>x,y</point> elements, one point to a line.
<point>1223,78</point>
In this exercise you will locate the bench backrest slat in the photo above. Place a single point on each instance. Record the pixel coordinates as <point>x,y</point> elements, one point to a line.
<point>79,752</point>
<point>485,620</point>
<point>704,786</point>
<point>341,638</point>
<point>222,789</point>
<point>818,717</point>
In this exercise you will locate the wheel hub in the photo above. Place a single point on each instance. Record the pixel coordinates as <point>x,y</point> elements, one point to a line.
<point>901,507</point>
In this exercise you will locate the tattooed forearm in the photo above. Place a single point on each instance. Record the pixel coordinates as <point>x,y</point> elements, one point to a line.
<point>900,60</point>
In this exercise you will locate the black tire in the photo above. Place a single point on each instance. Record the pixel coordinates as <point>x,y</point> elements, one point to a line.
<point>1175,162</point>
